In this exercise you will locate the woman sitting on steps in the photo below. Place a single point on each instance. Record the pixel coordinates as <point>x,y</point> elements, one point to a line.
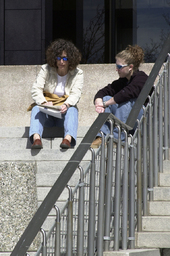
<point>60,76</point>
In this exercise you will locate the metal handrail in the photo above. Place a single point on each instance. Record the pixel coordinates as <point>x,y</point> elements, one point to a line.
<point>48,203</point>
<point>135,155</point>
<point>135,149</point>
<point>138,158</point>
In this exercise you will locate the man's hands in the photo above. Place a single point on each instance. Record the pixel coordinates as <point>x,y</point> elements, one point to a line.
<point>99,106</point>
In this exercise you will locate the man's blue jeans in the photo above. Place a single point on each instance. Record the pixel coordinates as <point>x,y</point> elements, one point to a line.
<point>69,121</point>
<point>121,111</point>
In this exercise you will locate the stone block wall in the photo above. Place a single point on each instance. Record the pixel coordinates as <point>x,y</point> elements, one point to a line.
<point>18,201</point>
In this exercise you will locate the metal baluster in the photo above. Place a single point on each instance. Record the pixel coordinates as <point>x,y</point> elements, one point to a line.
<point>44,242</point>
<point>139,180</point>
<point>155,135</point>
<point>80,233</point>
<point>109,179</point>
<point>169,99</point>
<point>145,165</point>
<point>100,226</point>
<point>57,232</point>
<point>132,197</point>
<point>91,224</point>
<point>70,224</point>
<point>125,194</point>
<point>166,150</point>
<point>117,193</point>
<point>160,123</point>
<point>150,189</point>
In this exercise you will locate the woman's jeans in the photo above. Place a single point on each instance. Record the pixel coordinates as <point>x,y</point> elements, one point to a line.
<point>121,111</point>
<point>69,121</point>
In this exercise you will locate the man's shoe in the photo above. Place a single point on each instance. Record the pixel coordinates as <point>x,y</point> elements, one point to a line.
<point>65,144</point>
<point>37,144</point>
<point>96,143</point>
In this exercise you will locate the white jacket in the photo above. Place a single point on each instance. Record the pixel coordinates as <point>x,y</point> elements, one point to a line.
<point>47,81</point>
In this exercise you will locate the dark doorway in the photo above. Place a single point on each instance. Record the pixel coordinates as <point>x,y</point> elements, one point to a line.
<point>64,19</point>
<point>99,28</point>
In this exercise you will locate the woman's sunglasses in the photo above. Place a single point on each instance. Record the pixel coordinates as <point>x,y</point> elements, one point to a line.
<point>121,66</point>
<point>63,58</point>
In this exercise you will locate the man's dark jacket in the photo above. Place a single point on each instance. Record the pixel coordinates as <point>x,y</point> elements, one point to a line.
<point>123,90</point>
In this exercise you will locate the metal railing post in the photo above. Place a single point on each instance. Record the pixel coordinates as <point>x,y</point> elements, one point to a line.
<point>80,233</point>
<point>109,180</point>
<point>91,224</point>
<point>44,242</point>
<point>125,194</point>
<point>139,180</point>
<point>166,150</point>
<point>132,197</point>
<point>70,224</point>
<point>155,135</point>
<point>57,231</point>
<point>150,189</point>
<point>169,99</point>
<point>117,193</point>
<point>145,165</point>
<point>100,227</point>
<point>160,123</point>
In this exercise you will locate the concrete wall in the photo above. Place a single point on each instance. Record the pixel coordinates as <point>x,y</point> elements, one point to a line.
<point>16,83</point>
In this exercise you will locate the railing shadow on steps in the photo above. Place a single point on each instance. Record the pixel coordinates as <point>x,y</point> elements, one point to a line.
<point>105,209</point>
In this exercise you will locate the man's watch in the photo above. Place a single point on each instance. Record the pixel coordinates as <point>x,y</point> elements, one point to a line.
<point>104,104</point>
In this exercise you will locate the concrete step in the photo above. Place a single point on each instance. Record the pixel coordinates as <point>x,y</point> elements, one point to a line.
<point>134,252</point>
<point>24,143</point>
<point>159,208</point>
<point>164,179</point>
<point>47,179</point>
<point>39,155</point>
<point>47,168</point>
<point>43,191</point>
<point>49,132</point>
<point>161,193</point>
<point>15,145</point>
<point>131,252</point>
<point>166,166</point>
<point>18,137</point>
<point>156,223</point>
<point>152,240</point>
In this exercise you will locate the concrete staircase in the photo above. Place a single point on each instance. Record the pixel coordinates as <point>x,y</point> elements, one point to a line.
<point>50,161</point>
<point>156,226</point>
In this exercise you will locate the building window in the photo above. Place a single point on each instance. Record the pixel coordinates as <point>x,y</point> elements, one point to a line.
<point>153,26</point>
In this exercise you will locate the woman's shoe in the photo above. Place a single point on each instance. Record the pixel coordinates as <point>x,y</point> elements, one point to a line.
<point>37,144</point>
<point>65,144</point>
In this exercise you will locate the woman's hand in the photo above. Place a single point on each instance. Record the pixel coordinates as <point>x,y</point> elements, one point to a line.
<point>48,103</point>
<point>64,108</point>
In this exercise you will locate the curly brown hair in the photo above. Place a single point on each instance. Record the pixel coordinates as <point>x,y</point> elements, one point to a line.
<point>133,54</point>
<point>56,48</point>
